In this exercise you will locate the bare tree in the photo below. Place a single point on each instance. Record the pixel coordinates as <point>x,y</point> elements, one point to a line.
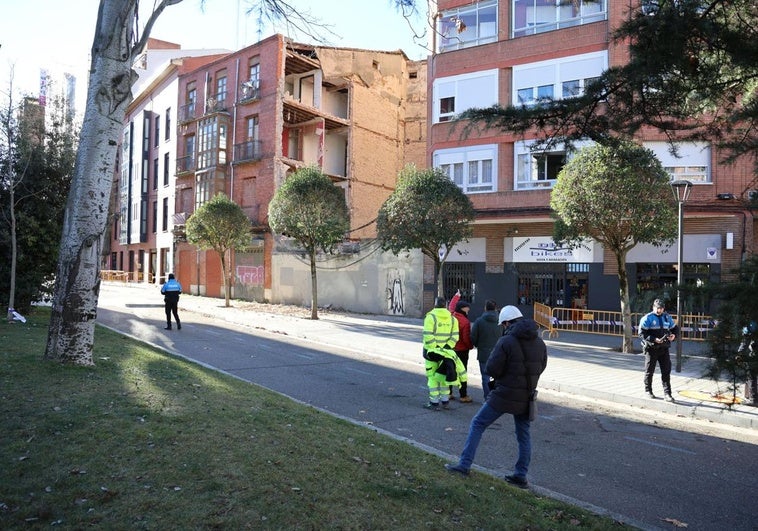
<point>116,44</point>
<point>10,181</point>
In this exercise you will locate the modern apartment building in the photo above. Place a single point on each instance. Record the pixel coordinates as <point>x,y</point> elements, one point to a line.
<point>516,52</point>
<point>142,202</point>
<point>251,117</point>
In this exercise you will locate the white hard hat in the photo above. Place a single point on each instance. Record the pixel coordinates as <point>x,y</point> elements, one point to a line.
<point>509,313</point>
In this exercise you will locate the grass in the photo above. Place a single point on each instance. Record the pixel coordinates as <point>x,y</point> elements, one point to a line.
<point>144,440</point>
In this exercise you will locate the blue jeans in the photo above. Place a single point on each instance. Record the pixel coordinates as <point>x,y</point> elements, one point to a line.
<point>485,379</point>
<point>481,421</point>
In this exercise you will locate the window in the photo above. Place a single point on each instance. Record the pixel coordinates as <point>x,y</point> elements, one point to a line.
<point>472,168</point>
<point>251,87</point>
<point>539,169</point>
<point>168,124</point>
<point>165,169</point>
<point>250,148</point>
<point>221,88</point>
<point>455,94</point>
<point>157,136</point>
<point>155,216</point>
<point>208,142</point>
<point>145,134</point>
<point>252,128</point>
<point>187,111</point>
<point>575,87</point>
<point>255,69</point>
<point>537,16</point>
<point>564,78</point>
<point>164,224</point>
<point>533,95</point>
<point>204,182</point>
<point>447,108</point>
<point>467,26</point>
<point>189,146</point>
<point>691,162</point>
<point>155,173</point>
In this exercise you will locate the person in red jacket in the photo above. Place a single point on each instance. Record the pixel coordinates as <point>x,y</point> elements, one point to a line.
<point>460,310</point>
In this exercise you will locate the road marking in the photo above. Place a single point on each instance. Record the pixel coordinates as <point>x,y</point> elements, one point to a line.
<point>661,445</point>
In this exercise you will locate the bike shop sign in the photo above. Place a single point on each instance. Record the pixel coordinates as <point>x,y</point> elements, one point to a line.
<point>544,249</point>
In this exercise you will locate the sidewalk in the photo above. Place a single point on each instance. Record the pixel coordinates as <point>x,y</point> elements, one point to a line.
<point>587,365</point>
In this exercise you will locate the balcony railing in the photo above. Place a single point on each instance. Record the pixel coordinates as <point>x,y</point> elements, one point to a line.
<point>216,103</point>
<point>250,90</point>
<point>247,151</point>
<point>187,112</point>
<point>185,164</point>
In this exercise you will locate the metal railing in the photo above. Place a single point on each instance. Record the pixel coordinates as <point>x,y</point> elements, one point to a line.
<point>247,151</point>
<point>693,327</point>
<point>185,164</point>
<point>114,275</point>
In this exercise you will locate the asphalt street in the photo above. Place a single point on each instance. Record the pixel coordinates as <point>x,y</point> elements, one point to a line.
<point>598,442</point>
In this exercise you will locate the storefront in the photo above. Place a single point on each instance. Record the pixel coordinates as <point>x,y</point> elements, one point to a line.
<point>536,269</point>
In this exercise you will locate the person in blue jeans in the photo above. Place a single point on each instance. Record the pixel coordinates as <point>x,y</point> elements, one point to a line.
<point>516,363</point>
<point>485,333</point>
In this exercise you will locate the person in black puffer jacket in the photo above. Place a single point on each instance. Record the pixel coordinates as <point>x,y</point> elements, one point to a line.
<point>516,363</point>
<point>485,333</point>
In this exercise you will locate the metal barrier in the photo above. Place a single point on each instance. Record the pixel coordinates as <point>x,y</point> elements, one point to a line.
<point>543,315</point>
<point>114,275</point>
<point>693,327</point>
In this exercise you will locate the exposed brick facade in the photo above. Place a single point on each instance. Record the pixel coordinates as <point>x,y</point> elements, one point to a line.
<point>246,119</point>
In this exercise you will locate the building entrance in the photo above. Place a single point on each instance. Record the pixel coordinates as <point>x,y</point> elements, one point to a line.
<point>557,285</point>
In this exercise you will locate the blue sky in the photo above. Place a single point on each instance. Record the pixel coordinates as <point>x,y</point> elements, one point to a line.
<point>57,34</point>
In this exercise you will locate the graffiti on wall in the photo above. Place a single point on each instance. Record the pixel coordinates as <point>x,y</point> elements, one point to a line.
<point>395,303</point>
<point>250,275</point>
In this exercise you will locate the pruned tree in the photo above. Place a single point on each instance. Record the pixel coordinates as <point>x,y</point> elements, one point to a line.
<point>311,210</point>
<point>427,211</point>
<point>618,195</point>
<point>116,45</point>
<point>220,224</point>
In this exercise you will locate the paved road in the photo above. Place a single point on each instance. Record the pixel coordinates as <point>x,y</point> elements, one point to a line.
<point>642,465</point>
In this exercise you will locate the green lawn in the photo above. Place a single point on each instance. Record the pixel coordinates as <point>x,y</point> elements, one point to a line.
<point>144,440</point>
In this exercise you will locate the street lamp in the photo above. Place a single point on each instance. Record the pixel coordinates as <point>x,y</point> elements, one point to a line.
<point>681,190</point>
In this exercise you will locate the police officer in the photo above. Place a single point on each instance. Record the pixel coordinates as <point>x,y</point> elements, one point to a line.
<point>657,330</point>
<point>171,291</point>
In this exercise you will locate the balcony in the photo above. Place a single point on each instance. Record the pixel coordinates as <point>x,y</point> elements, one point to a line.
<point>248,151</point>
<point>185,164</point>
<point>216,103</point>
<point>250,90</point>
<point>187,113</point>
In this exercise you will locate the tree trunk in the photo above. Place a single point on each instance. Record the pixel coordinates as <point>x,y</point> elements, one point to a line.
<point>12,181</point>
<point>222,255</point>
<point>626,312</point>
<point>12,209</point>
<point>314,285</point>
<point>77,286</point>
<point>14,246</point>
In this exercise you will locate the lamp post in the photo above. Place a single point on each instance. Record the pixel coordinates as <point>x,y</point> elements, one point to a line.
<point>681,190</point>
